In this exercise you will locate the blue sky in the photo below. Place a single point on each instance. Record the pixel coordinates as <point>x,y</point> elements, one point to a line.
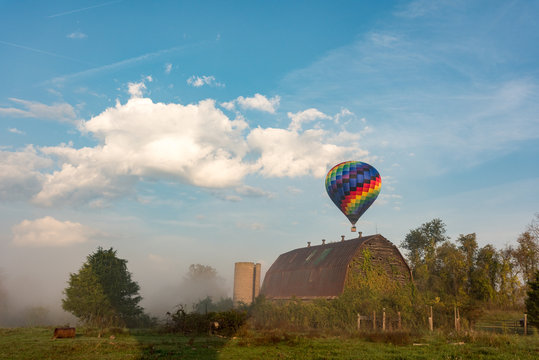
<point>184,132</point>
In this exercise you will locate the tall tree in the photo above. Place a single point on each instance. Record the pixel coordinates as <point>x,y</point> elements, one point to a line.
<point>468,247</point>
<point>421,245</point>
<point>485,275</point>
<point>452,271</point>
<point>102,292</point>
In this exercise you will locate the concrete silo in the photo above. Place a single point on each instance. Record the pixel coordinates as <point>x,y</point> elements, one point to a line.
<point>246,282</point>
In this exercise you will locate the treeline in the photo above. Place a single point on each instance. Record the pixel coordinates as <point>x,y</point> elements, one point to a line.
<point>463,274</point>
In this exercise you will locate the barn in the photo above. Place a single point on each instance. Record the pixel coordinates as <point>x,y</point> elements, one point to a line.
<point>324,271</point>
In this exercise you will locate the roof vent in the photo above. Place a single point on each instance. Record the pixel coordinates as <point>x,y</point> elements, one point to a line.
<point>308,244</point>
<point>342,237</point>
<point>323,241</point>
<point>360,233</point>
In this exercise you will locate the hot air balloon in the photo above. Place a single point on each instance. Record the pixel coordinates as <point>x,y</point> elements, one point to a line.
<point>353,186</point>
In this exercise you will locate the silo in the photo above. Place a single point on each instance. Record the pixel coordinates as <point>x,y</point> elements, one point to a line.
<point>256,285</point>
<point>246,282</point>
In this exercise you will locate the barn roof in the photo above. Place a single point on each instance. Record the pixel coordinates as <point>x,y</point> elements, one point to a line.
<point>312,272</point>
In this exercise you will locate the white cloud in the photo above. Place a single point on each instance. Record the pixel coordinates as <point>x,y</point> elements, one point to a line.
<point>168,68</point>
<point>198,81</point>
<point>16,131</point>
<point>31,109</point>
<point>259,102</point>
<point>251,191</point>
<point>135,89</point>
<point>77,35</point>
<point>384,40</point>
<point>20,173</point>
<point>143,140</point>
<point>289,153</point>
<point>305,116</point>
<point>228,105</point>
<point>343,114</point>
<point>48,231</point>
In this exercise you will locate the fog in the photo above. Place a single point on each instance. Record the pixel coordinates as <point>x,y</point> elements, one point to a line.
<point>32,297</point>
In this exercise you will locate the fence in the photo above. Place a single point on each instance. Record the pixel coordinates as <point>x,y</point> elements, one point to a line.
<point>514,326</point>
<point>517,326</point>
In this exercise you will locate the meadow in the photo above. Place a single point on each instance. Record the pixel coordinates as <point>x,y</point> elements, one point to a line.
<point>37,343</point>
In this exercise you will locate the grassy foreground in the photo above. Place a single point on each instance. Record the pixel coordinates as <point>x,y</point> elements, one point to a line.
<point>37,343</point>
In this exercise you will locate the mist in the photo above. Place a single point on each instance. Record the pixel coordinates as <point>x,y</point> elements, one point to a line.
<point>191,288</point>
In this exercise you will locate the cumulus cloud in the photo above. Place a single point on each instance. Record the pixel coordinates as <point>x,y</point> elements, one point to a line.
<point>289,153</point>
<point>168,68</point>
<point>259,102</point>
<point>143,140</point>
<point>20,173</point>
<point>198,81</point>
<point>48,231</point>
<point>32,109</point>
<point>135,89</point>
<point>305,116</point>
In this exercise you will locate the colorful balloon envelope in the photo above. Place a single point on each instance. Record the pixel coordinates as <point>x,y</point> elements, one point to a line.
<point>353,186</point>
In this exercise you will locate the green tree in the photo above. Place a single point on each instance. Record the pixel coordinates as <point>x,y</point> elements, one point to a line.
<point>421,245</point>
<point>452,270</point>
<point>102,292</point>
<point>532,301</point>
<point>485,275</point>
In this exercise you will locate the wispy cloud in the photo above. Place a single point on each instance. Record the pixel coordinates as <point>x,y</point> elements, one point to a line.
<point>69,12</point>
<point>168,68</point>
<point>43,52</point>
<point>120,64</point>
<point>16,131</point>
<point>198,81</point>
<point>77,35</point>
<point>62,112</point>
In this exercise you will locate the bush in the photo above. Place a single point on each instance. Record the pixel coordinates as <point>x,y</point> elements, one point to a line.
<point>229,322</point>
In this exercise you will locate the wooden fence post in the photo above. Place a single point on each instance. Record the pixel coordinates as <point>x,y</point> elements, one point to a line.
<point>455,316</point>
<point>400,324</point>
<point>384,319</point>
<point>374,320</point>
<point>358,322</point>
<point>525,324</point>
<point>431,323</point>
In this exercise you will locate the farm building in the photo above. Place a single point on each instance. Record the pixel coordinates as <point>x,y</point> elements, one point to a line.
<point>323,271</point>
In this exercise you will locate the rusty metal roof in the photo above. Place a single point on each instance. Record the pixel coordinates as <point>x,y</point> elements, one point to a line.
<point>312,272</point>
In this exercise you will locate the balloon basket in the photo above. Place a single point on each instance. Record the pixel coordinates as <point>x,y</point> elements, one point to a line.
<point>353,229</point>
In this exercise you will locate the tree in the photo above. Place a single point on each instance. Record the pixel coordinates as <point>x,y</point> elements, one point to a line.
<point>200,282</point>
<point>421,244</point>
<point>527,255</point>
<point>102,292</point>
<point>532,301</point>
<point>485,275</point>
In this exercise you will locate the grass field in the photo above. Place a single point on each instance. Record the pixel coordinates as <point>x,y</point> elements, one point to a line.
<point>37,343</point>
